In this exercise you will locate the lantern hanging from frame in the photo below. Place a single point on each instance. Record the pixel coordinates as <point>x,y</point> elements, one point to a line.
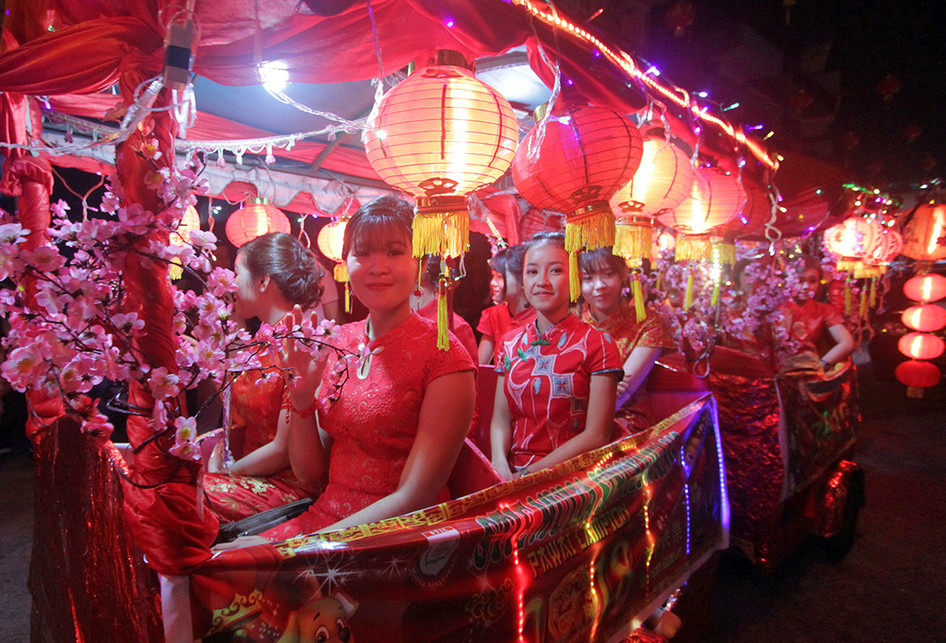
<point>716,197</point>
<point>852,241</point>
<point>190,220</point>
<point>921,345</point>
<point>660,184</point>
<point>918,374</point>
<point>925,288</point>
<point>924,236</point>
<point>574,165</point>
<point>889,244</point>
<point>926,318</point>
<point>257,218</point>
<point>439,135</point>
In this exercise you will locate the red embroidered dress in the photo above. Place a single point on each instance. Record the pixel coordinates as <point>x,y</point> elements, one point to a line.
<point>255,405</point>
<point>547,383</point>
<point>810,323</point>
<point>372,414</point>
<point>496,321</point>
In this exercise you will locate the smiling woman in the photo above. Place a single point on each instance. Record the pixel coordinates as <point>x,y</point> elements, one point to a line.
<point>556,393</point>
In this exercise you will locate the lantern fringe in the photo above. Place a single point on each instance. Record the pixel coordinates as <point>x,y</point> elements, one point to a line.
<point>848,265</point>
<point>441,233</point>
<point>347,297</point>
<point>847,297</point>
<point>633,241</point>
<point>574,280</point>
<point>863,308</point>
<point>638,292</point>
<point>443,324</point>
<point>715,298</point>
<point>590,232</point>
<point>340,273</point>
<point>688,297</point>
<point>692,249</point>
<point>727,252</point>
<point>873,293</point>
<point>868,272</point>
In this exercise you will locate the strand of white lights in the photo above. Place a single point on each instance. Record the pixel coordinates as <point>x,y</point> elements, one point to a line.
<point>625,62</point>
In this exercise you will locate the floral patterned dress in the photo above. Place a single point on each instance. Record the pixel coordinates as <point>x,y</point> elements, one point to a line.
<point>547,383</point>
<point>370,406</point>
<point>255,405</point>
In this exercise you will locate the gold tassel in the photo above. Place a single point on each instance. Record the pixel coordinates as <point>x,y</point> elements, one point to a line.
<point>692,248</point>
<point>347,297</point>
<point>847,296</point>
<point>715,297</point>
<point>175,269</point>
<point>848,264</point>
<point>574,280</point>
<point>443,324</point>
<point>633,241</point>
<point>441,233</point>
<point>341,273</point>
<point>873,293</point>
<point>590,231</point>
<point>638,291</point>
<point>863,310</point>
<point>727,252</point>
<point>688,298</point>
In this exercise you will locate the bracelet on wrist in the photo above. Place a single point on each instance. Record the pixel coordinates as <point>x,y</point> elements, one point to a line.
<point>303,413</point>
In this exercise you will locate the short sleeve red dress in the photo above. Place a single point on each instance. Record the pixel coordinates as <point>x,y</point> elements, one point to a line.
<point>370,406</point>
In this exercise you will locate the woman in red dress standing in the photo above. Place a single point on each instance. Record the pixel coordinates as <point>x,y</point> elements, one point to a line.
<point>819,326</point>
<point>603,276</point>
<point>511,311</point>
<point>555,397</point>
<point>274,273</point>
<point>393,412</point>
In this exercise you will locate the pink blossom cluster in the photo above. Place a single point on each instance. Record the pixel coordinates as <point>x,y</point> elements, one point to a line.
<point>693,327</point>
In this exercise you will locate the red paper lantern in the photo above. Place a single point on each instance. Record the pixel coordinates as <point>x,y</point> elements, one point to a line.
<point>925,317</point>
<point>661,183</point>
<point>888,245</point>
<point>852,240</point>
<point>924,236</point>
<point>921,345</point>
<point>584,156</point>
<point>918,374</point>
<point>330,240</point>
<point>716,197</point>
<point>925,288</point>
<point>253,220</point>
<point>679,16</point>
<point>440,135</point>
<point>756,213</point>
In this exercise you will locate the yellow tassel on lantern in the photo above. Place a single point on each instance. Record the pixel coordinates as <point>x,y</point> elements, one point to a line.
<point>873,293</point>
<point>726,249</point>
<point>574,279</point>
<point>848,264</point>
<point>590,228</point>
<point>715,298</point>
<point>443,324</point>
<point>347,297</point>
<point>341,273</point>
<point>633,239</point>
<point>638,292</point>
<point>847,297</point>
<point>688,297</point>
<point>863,310</point>
<point>693,248</point>
<point>441,227</point>
<point>175,269</point>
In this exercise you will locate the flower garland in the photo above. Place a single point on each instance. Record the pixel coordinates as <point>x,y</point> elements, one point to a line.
<point>71,332</point>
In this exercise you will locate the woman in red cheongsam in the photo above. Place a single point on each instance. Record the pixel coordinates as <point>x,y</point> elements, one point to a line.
<point>274,272</point>
<point>556,394</point>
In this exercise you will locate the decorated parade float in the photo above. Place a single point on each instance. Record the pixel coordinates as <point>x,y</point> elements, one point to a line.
<point>585,550</point>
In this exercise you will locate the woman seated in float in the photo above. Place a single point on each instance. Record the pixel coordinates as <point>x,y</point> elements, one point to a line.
<point>393,412</point>
<point>274,273</point>
<point>743,328</point>
<point>603,278</point>
<point>511,311</point>
<point>819,326</point>
<point>556,393</point>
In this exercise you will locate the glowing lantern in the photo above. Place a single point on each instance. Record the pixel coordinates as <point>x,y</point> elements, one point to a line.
<point>660,184</point>
<point>888,246</point>
<point>921,345</point>
<point>918,374</point>
<point>924,236</point>
<point>925,288</point>
<point>253,220</point>
<point>330,240</point>
<point>440,135</point>
<point>925,317</point>
<point>852,240</point>
<point>574,166</point>
<point>716,197</point>
<point>189,221</point>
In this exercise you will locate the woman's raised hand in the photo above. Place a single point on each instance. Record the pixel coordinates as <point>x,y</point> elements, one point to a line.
<point>305,362</point>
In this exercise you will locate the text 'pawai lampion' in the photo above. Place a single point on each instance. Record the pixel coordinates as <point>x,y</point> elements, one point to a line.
<point>255,219</point>
<point>439,135</point>
<point>660,184</point>
<point>716,197</point>
<point>852,241</point>
<point>574,165</point>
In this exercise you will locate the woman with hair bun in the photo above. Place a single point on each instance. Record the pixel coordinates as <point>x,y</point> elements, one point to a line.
<point>274,274</point>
